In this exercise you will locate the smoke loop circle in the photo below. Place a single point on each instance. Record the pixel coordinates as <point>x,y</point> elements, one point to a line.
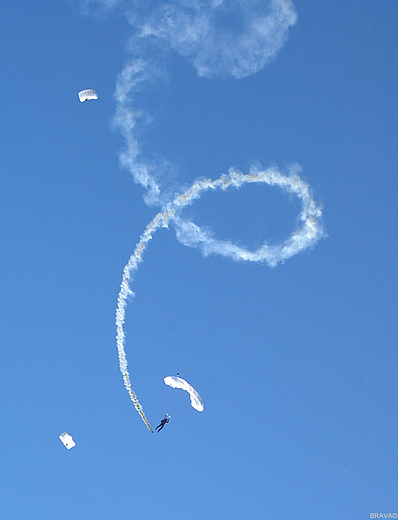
<point>308,232</point>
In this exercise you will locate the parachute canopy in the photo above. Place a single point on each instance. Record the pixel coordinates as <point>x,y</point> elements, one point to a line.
<point>179,382</point>
<point>89,93</point>
<point>67,440</point>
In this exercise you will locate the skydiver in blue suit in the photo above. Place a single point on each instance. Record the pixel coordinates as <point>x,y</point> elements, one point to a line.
<point>163,422</point>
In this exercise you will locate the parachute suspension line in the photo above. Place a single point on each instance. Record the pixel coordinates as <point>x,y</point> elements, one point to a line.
<point>310,230</point>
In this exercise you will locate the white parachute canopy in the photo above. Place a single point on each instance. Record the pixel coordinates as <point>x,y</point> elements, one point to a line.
<point>67,440</point>
<point>179,382</point>
<point>89,93</point>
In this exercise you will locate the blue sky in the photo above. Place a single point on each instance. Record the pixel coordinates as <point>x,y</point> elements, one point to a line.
<point>296,364</point>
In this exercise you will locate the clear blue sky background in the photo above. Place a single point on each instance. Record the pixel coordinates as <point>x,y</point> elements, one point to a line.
<point>297,365</point>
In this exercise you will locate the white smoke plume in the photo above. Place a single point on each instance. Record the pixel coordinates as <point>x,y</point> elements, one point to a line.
<point>199,31</point>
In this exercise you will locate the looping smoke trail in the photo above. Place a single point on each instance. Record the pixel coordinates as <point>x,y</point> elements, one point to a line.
<point>219,39</point>
<point>307,234</point>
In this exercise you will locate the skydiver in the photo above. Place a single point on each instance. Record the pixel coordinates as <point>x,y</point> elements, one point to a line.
<point>163,422</point>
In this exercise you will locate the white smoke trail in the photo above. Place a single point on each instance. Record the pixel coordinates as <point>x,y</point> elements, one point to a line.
<point>307,234</point>
<point>124,292</point>
<point>200,31</point>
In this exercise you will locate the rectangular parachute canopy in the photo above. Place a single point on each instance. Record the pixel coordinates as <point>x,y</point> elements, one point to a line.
<point>179,382</point>
<point>87,94</point>
<point>67,440</point>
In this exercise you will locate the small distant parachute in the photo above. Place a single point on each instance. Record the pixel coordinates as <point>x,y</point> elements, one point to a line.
<point>179,382</point>
<point>67,440</point>
<point>86,95</point>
